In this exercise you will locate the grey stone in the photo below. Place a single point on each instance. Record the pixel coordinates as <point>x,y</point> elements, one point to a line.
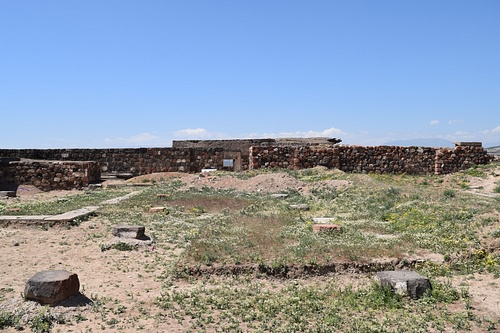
<point>124,175</point>
<point>279,196</point>
<point>129,231</point>
<point>300,207</point>
<point>8,194</point>
<point>323,220</point>
<point>74,214</point>
<point>50,287</point>
<point>406,283</point>
<point>93,187</point>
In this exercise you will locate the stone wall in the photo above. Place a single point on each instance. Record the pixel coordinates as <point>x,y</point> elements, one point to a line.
<point>137,161</point>
<point>286,153</point>
<point>50,175</point>
<point>380,159</point>
<point>460,158</point>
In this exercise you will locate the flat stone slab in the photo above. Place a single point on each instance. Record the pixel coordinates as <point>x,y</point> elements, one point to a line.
<point>26,219</point>
<point>326,227</point>
<point>50,287</point>
<point>124,175</point>
<point>157,209</point>
<point>116,185</point>
<point>300,207</point>
<point>323,219</point>
<point>279,195</point>
<point>73,214</point>
<point>120,185</point>
<point>129,231</point>
<point>406,283</point>
<point>7,194</point>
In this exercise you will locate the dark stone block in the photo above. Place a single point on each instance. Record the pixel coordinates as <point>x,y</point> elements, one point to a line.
<point>50,287</point>
<point>405,282</point>
<point>129,231</point>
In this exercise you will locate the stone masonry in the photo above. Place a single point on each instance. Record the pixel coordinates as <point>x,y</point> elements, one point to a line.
<point>194,155</point>
<point>50,175</point>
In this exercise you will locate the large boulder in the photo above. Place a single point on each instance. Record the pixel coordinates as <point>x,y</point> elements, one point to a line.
<point>406,283</point>
<point>50,287</point>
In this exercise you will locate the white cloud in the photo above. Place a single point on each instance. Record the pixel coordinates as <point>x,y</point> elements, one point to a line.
<point>496,130</point>
<point>435,122</point>
<point>198,134</point>
<point>329,132</point>
<point>455,121</point>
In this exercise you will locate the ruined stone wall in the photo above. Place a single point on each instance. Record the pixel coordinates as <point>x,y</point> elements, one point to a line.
<point>137,161</point>
<point>379,159</point>
<point>287,154</point>
<point>460,158</point>
<point>50,175</point>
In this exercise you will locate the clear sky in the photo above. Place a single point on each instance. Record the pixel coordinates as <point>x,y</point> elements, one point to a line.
<point>123,73</point>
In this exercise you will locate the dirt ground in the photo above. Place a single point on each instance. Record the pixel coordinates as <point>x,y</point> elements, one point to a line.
<point>266,183</point>
<point>128,282</point>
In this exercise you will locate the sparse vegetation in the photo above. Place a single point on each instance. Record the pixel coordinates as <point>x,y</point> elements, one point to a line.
<point>62,205</point>
<point>215,250</point>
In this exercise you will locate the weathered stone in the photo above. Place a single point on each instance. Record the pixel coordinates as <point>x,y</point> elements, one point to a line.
<point>93,187</point>
<point>129,231</point>
<point>405,282</point>
<point>124,175</point>
<point>300,207</point>
<point>73,214</point>
<point>157,209</point>
<point>324,227</point>
<point>468,144</point>
<point>50,287</point>
<point>279,195</point>
<point>323,220</point>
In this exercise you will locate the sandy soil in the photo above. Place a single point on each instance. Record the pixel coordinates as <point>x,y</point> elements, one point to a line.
<point>126,283</point>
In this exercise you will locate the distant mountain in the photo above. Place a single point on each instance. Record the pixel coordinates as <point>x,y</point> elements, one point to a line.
<point>493,150</point>
<point>422,142</point>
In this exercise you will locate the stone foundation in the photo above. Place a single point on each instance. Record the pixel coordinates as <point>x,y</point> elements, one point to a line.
<point>50,175</point>
<point>379,159</point>
<point>235,155</point>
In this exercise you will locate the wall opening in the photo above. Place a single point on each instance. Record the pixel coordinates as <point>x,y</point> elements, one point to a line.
<point>232,161</point>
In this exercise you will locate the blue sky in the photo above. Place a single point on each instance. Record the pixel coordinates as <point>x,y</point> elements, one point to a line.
<point>121,73</point>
